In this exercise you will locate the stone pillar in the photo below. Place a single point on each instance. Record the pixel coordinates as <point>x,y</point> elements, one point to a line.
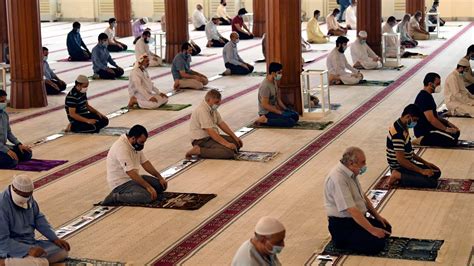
<point>369,19</point>
<point>123,14</point>
<point>176,12</point>
<point>258,18</point>
<point>26,55</point>
<point>416,5</point>
<point>3,28</point>
<point>283,35</point>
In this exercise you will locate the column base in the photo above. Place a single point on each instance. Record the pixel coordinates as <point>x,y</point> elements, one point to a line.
<point>28,94</point>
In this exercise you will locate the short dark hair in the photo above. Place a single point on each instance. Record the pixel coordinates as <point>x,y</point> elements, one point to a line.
<point>430,78</point>
<point>146,33</point>
<point>112,20</point>
<point>137,131</point>
<point>316,12</point>
<point>45,49</point>
<point>412,110</point>
<point>341,40</point>
<point>76,24</point>
<point>3,93</point>
<point>242,11</point>
<point>336,10</point>
<point>391,19</point>
<point>185,46</point>
<point>222,1</point>
<point>103,36</point>
<point>470,49</point>
<point>274,67</point>
<point>418,14</point>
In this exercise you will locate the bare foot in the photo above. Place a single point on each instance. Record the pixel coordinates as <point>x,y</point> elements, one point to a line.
<point>261,120</point>
<point>194,151</point>
<point>68,128</point>
<point>132,101</point>
<point>394,178</point>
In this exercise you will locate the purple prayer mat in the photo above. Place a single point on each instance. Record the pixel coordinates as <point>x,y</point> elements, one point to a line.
<point>35,165</point>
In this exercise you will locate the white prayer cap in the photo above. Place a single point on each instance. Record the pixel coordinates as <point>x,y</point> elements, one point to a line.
<point>82,79</point>
<point>23,183</point>
<point>142,57</point>
<point>363,34</point>
<point>267,226</point>
<point>464,62</point>
<point>145,19</point>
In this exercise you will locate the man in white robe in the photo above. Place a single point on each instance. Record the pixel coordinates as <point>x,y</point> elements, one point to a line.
<point>458,99</point>
<point>362,55</point>
<point>142,47</point>
<point>351,16</point>
<point>337,65</point>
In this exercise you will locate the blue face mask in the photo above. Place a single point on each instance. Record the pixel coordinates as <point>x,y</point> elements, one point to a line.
<point>278,77</point>
<point>412,124</point>
<point>276,250</point>
<point>3,106</point>
<point>363,170</point>
<point>104,44</point>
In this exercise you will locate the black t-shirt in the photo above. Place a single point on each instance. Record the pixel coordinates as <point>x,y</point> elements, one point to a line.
<point>78,100</point>
<point>425,101</point>
<point>398,139</point>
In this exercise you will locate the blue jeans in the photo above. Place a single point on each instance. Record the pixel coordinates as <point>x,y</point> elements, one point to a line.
<point>134,193</point>
<point>343,4</point>
<point>6,162</point>
<point>289,118</point>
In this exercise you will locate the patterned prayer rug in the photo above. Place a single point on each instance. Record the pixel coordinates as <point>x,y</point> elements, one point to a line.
<point>98,78</point>
<point>376,83</point>
<point>166,107</point>
<point>462,145</point>
<point>397,248</point>
<point>88,262</point>
<point>176,200</point>
<point>255,156</point>
<point>108,131</point>
<point>444,185</point>
<point>307,125</point>
<point>36,165</point>
<point>257,74</point>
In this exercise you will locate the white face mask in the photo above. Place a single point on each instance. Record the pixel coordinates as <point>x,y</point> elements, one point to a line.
<point>437,89</point>
<point>214,107</point>
<point>45,58</point>
<point>83,90</point>
<point>3,106</point>
<point>19,201</point>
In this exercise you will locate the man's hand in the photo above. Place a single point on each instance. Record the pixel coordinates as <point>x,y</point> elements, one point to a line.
<point>432,166</point>
<point>62,244</point>
<point>91,121</point>
<point>12,155</point>
<point>163,183</point>
<point>427,172</point>
<point>451,130</point>
<point>383,221</point>
<point>378,232</point>
<point>152,192</point>
<point>163,95</point>
<point>24,148</point>
<point>110,70</point>
<point>244,66</point>
<point>37,252</point>
<point>153,99</point>
<point>239,141</point>
<point>231,146</point>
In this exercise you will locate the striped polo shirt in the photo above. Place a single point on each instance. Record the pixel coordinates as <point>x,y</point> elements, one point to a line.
<point>398,139</point>
<point>78,100</point>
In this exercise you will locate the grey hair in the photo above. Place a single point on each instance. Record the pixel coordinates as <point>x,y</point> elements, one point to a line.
<point>350,155</point>
<point>213,94</point>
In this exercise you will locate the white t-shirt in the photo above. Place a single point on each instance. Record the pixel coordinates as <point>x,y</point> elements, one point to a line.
<point>203,117</point>
<point>111,33</point>
<point>122,157</point>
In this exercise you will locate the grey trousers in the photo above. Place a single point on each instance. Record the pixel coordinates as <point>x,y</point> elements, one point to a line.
<point>210,149</point>
<point>134,193</point>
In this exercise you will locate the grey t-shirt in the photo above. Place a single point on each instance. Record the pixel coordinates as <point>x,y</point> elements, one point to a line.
<point>268,90</point>
<point>180,62</point>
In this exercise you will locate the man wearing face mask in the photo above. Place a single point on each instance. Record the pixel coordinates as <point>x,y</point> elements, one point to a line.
<point>82,117</point>
<point>337,65</point>
<point>123,164</point>
<point>469,73</point>
<point>114,45</point>
<point>362,55</point>
<point>347,206</point>
<point>271,109</point>
<point>313,31</point>
<point>20,216</point>
<point>234,64</point>
<point>263,248</point>
<point>75,44</point>
<point>53,84</point>
<point>222,13</point>
<point>142,47</point>
<point>138,27</point>
<point>414,29</point>
<point>432,130</point>
<point>204,128</point>
<point>334,28</point>
<point>101,58</point>
<point>183,75</point>
<point>406,167</point>
<point>10,155</point>
<point>141,89</point>
<point>199,20</point>
<point>238,25</point>
<point>458,99</point>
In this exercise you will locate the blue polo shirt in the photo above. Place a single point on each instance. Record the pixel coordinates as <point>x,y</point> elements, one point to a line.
<point>181,61</point>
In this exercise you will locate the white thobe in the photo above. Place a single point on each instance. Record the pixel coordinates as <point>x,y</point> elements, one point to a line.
<point>351,17</point>
<point>364,55</point>
<point>458,99</point>
<point>337,65</point>
<point>144,48</point>
<point>143,89</point>
<point>198,19</point>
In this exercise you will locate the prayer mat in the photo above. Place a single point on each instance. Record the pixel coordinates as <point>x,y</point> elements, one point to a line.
<point>88,262</point>
<point>204,54</point>
<point>333,106</point>
<point>166,107</point>
<point>308,125</point>
<point>120,112</point>
<point>35,165</point>
<point>397,248</point>
<point>208,88</point>
<point>178,167</point>
<point>216,77</point>
<point>129,51</point>
<point>98,78</point>
<point>48,139</point>
<point>243,131</point>
<point>176,200</point>
<point>421,56</point>
<point>83,220</point>
<point>174,92</point>
<point>108,131</point>
<point>260,60</point>
<point>376,196</point>
<point>255,156</point>
<point>462,145</point>
<point>257,74</point>
<point>444,185</point>
<point>384,83</point>
<point>449,114</point>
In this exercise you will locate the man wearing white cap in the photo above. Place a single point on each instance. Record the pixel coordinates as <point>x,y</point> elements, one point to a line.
<point>458,99</point>
<point>362,55</point>
<point>19,218</point>
<point>262,249</point>
<point>83,118</point>
<point>142,47</point>
<point>138,28</point>
<point>141,89</point>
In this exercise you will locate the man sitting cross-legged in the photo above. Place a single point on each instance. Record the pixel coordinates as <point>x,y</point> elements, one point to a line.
<point>123,164</point>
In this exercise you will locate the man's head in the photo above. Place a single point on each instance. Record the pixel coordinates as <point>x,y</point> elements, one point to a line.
<point>82,83</point>
<point>463,66</point>
<point>137,137</point>
<point>223,2</point>
<point>242,12</point>
<point>410,115</point>
<point>406,18</point>
<point>216,20</point>
<point>112,22</point>
<point>432,82</point>
<point>199,7</point>
<point>275,70</point>
<point>144,20</point>
<point>76,26</point>
<point>392,21</point>
<point>354,159</point>
<point>269,236</point>
<point>103,39</point>
<point>213,99</point>
<point>316,14</point>
<point>341,43</point>
<point>234,37</point>
<point>22,190</point>
<point>354,3</point>
<point>186,48</point>
<point>470,52</point>
<point>45,53</point>
<point>3,100</point>
<point>336,12</point>
<point>418,15</point>
<point>362,36</point>
<point>435,4</point>
<point>146,35</point>
<point>144,61</point>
